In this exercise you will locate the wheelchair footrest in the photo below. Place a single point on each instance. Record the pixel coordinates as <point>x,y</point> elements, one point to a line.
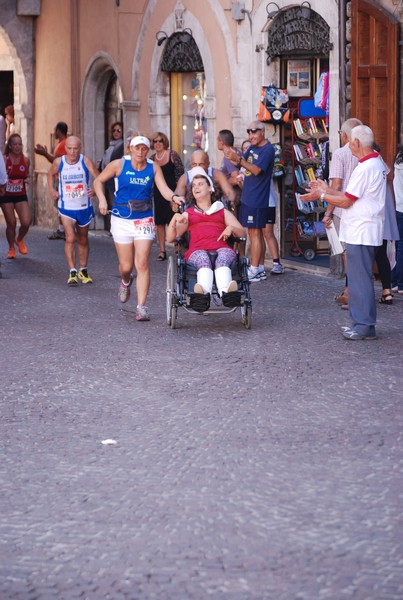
<point>231,299</point>
<point>199,302</point>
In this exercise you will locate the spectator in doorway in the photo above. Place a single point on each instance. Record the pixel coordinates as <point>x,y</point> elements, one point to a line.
<point>10,125</point>
<point>116,143</point>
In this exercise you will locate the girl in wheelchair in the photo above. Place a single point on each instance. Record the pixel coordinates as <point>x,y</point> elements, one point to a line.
<point>209,225</point>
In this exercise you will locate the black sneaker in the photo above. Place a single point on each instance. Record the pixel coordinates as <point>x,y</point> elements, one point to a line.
<point>57,235</point>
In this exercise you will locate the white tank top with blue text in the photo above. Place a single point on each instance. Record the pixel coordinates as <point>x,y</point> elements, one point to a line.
<point>73,185</point>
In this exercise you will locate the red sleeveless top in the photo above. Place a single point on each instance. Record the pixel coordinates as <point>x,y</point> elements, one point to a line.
<point>17,175</point>
<point>204,230</point>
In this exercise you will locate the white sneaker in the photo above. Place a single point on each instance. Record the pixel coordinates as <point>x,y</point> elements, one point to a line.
<point>253,274</point>
<point>277,269</point>
<point>124,290</point>
<point>262,274</point>
<point>142,313</point>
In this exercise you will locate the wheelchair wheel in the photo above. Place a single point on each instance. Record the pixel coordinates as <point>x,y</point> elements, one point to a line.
<point>171,308</point>
<point>246,312</point>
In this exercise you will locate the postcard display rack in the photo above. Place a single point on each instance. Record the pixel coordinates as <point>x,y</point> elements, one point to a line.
<point>308,134</point>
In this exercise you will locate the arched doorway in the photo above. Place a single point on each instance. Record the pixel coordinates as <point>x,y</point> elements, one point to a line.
<point>13,87</point>
<point>101,100</point>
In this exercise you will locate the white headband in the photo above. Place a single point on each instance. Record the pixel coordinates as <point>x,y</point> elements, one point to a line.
<point>200,171</point>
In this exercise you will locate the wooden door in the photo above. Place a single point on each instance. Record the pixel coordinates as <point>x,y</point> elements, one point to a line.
<point>374,69</point>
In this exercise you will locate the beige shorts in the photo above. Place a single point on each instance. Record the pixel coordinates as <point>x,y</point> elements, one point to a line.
<point>126,231</point>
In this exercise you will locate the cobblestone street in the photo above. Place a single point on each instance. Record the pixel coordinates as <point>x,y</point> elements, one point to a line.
<point>261,464</point>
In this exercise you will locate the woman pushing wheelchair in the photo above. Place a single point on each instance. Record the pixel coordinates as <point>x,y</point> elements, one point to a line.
<point>209,225</point>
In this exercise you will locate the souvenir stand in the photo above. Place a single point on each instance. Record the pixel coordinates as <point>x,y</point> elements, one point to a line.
<point>309,133</point>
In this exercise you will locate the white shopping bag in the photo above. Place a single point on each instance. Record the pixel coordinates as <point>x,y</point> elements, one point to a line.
<point>334,242</point>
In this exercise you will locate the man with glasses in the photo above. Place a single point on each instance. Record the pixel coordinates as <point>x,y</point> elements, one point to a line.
<point>258,162</point>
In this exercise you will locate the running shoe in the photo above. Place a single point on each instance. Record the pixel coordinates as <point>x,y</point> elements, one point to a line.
<point>57,235</point>
<point>142,313</point>
<point>83,276</point>
<point>124,290</point>
<point>262,275</point>
<point>21,247</point>
<point>11,253</point>
<point>351,334</point>
<point>277,269</point>
<point>253,274</point>
<point>73,279</point>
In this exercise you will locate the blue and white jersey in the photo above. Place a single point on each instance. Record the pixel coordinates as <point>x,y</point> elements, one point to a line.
<point>73,185</point>
<point>133,195</point>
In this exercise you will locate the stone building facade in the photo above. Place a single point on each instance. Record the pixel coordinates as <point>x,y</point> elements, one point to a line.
<point>185,67</point>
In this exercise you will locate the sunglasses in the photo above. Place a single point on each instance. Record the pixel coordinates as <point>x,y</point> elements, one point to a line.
<point>158,141</point>
<point>117,131</point>
<point>253,130</point>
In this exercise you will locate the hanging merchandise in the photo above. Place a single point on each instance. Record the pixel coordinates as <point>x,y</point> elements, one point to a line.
<point>278,168</point>
<point>322,92</point>
<point>273,105</point>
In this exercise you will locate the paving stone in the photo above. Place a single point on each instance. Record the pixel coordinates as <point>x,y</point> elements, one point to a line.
<point>249,465</point>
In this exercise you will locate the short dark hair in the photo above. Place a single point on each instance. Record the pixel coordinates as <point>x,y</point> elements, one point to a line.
<point>399,155</point>
<point>62,127</point>
<point>227,137</point>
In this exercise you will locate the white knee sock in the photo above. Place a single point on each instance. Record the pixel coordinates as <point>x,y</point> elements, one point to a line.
<point>205,279</point>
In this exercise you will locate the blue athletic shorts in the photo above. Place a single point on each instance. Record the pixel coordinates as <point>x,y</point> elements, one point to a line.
<point>81,217</point>
<point>255,218</point>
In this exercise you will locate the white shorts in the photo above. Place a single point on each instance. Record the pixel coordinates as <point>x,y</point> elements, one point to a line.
<point>126,231</point>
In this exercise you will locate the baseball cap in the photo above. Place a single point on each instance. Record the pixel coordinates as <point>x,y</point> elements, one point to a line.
<point>140,139</point>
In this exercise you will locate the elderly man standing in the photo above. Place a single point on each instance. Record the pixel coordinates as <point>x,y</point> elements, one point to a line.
<point>361,228</point>
<point>342,165</point>
<point>258,162</point>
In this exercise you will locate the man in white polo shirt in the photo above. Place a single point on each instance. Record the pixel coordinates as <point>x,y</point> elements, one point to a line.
<point>361,228</point>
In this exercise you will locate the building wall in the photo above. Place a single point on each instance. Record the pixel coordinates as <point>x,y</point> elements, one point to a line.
<point>81,43</point>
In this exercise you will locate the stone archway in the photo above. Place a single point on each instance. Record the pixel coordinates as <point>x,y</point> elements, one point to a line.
<point>97,81</point>
<point>95,87</point>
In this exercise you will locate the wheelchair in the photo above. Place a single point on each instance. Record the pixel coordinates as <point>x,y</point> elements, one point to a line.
<point>181,278</point>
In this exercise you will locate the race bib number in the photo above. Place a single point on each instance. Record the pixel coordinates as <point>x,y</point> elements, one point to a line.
<point>144,227</point>
<point>74,190</point>
<point>15,186</point>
